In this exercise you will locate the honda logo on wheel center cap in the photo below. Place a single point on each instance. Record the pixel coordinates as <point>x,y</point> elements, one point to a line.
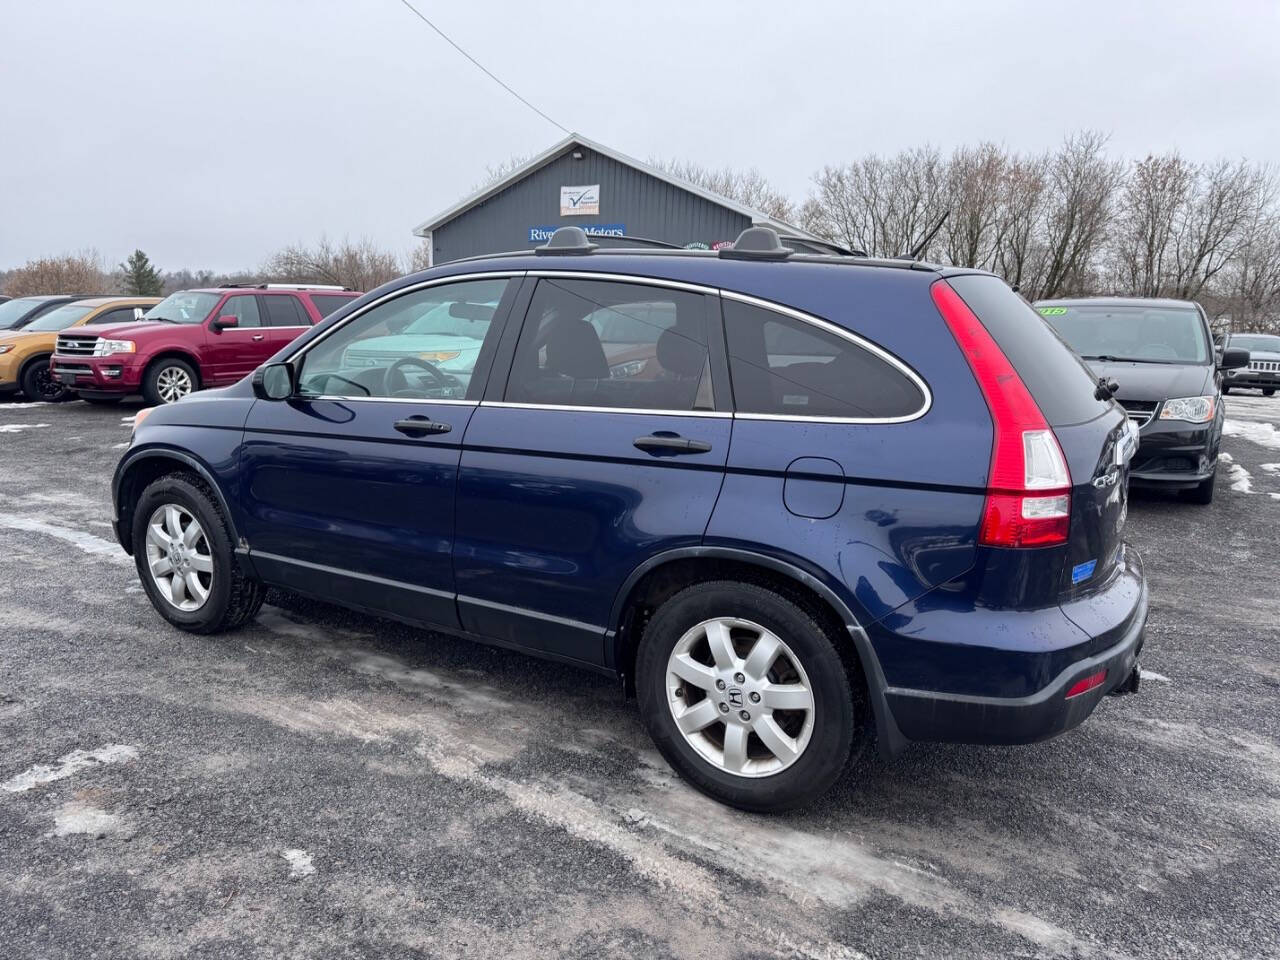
<point>735,697</point>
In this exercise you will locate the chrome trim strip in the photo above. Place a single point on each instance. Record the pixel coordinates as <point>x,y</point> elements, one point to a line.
<point>368,577</point>
<point>626,278</point>
<point>341,399</point>
<point>534,614</point>
<point>394,294</point>
<point>836,331</point>
<point>505,404</point>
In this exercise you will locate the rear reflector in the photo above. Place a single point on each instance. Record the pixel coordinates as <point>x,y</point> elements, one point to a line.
<point>1087,684</point>
<point>1028,487</point>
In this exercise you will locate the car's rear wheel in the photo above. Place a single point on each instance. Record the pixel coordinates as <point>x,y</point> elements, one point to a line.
<point>168,381</point>
<point>1269,391</point>
<point>38,383</point>
<point>746,695</point>
<point>183,550</point>
<point>1225,389</point>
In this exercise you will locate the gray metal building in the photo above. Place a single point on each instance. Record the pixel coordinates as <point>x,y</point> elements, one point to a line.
<point>581,183</point>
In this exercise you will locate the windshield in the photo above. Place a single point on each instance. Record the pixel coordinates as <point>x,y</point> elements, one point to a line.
<point>185,306</point>
<point>1131,332</point>
<point>449,320</point>
<point>1256,341</point>
<point>59,318</point>
<point>15,310</point>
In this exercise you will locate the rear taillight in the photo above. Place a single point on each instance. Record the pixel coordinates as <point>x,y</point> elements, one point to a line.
<point>1029,487</point>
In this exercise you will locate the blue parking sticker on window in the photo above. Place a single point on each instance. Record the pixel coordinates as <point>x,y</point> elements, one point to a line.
<point>1083,571</point>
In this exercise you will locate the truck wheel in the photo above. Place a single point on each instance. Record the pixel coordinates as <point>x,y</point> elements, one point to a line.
<point>168,381</point>
<point>183,551</point>
<point>746,695</point>
<point>38,383</point>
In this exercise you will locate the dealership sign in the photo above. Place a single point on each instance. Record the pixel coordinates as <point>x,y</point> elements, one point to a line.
<point>580,201</point>
<point>543,234</point>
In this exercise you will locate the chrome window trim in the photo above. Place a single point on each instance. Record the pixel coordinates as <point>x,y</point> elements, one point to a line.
<point>339,398</point>
<point>835,331</point>
<point>301,352</point>
<point>626,278</point>
<point>512,405</point>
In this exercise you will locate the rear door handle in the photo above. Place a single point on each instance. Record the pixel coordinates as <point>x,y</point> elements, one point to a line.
<point>659,443</point>
<point>421,426</point>
<point>259,336</point>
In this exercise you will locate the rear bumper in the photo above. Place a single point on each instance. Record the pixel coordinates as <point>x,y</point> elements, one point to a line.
<point>118,374</point>
<point>1118,616</point>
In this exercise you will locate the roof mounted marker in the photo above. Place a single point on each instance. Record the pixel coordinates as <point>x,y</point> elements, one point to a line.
<point>756,243</point>
<point>566,240</point>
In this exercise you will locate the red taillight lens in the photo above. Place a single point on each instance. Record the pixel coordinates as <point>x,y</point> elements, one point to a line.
<point>1029,487</point>
<point>1087,684</point>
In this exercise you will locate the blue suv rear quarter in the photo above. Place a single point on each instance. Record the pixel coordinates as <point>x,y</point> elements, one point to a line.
<point>566,528</point>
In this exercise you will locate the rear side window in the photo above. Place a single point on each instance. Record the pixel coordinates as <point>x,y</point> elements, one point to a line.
<point>1058,380</point>
<point>608,344</point>
<point>784,366</point>
<point>327,303</point>
<point>284,310</point>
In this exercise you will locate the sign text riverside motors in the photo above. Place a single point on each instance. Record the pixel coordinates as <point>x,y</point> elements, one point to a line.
<point>543,234</point>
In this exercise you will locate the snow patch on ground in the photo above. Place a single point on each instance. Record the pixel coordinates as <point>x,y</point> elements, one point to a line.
<point>1264,434</point>
<point>78,818</point>
<point>1271,467</point>
<point>68,765</point>
<point>300,864</point>
<point>96,546</point>
<point>19,427</point>
<point>1152,675</point>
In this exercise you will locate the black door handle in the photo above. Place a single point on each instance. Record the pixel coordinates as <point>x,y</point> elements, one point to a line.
<point>421,426</point>
<point>659,443</point>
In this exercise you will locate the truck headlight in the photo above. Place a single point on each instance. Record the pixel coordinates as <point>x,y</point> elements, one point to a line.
<point>1190,409</point>
<point>105,348</point>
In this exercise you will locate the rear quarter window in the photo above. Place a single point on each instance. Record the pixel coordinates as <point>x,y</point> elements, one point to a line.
<point>1058,379</point>
<point>326,303</point>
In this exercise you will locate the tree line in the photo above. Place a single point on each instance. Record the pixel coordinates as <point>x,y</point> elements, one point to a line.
<point>1071,221</point>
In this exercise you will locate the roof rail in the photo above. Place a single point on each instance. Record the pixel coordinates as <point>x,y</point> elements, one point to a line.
<point>756,243</point>
<point>286,286</point>
<point>566,241</point>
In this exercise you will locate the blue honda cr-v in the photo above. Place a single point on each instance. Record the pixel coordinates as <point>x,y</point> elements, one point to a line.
<point>790,499</point>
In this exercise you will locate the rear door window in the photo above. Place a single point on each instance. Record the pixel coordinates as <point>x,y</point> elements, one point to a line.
<point>283,310</point>
<point>784,366</point>
<point>1058,379</point>
<point>598,343</point>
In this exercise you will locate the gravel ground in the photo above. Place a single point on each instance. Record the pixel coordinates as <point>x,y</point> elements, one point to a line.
<point>322,784</point>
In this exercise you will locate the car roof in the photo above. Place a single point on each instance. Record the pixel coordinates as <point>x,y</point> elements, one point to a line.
<point>1116,302</point>
<point>104,301</point>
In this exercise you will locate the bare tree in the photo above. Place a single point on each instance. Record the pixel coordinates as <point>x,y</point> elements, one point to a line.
<point>1211,226</point>
<point>1251,291</point>
<point>1022,203</point>
<point>748,187</point>
<point>494,172</point>
<point>1154,198</point>
<point>81,272</point>
<point>975,183</point>
<point>359,265</point>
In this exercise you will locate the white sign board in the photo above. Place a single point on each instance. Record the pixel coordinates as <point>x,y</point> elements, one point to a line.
<point>580,201</point>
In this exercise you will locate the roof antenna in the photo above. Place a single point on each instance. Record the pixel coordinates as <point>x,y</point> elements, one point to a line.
<point>918,250</point>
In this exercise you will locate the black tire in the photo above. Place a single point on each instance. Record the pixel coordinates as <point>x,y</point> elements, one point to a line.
<point>234,598</point>
<point>38,383</point>
<point>1202,492</point>
<point>1268,391</point>
<point>839,714</point>
<point>1225,389</point>
<point>151,383</point>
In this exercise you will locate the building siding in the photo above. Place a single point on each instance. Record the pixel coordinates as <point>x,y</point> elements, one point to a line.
<point>649,207</point>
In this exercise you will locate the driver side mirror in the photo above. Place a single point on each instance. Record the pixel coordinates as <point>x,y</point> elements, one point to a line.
<point>1233,358</point>
<point>225,322</point>
<point>274,381</point>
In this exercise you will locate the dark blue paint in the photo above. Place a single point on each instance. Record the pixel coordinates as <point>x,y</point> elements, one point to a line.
<point>526,527</point>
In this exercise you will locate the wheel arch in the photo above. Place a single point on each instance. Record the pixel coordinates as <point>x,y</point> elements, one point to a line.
<point>139,469</point>
<point>35,359</point>
<point>175,353</point>
<point>664,574</point>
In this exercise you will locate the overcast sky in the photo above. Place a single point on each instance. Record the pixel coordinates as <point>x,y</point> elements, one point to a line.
<point>210,134</point>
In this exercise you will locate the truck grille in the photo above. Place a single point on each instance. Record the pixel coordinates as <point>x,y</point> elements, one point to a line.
<point>73,346</point>
<point>1265,366</point>
<point>1139,411</point>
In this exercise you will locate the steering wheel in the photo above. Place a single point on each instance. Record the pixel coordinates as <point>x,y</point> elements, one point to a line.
<point>396,372</point>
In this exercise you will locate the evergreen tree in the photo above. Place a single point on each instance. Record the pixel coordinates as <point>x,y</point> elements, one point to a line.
<point>141,279</point>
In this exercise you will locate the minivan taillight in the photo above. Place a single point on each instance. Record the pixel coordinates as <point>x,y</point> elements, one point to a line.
<point>1028,500</point>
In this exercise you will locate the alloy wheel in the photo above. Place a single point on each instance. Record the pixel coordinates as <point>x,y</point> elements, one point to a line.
<point>47,388</point>
<point>179,557</point>
<point>740,697</point>
<point>173,383</point>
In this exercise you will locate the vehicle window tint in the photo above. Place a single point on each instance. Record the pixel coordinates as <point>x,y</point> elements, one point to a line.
<point>1058,379</point>
<point>421,346</point>
<point>783,366</point>
<point>245,308</point>
<point>601,343</point>
<point>284,310</point>
<point>327,303</point>
<point>119,315</point>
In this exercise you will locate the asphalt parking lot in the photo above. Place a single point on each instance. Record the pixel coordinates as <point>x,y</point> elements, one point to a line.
<point>326,785</point>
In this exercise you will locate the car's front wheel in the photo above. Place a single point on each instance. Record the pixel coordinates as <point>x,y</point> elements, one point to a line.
<point>169,380</point>
<point>1268,391</point>
<point>38,383</point>
<point>746,695</point>
<point>183,550</point>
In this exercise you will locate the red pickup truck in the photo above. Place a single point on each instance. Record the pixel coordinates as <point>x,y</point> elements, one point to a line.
<point>190,340</point>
